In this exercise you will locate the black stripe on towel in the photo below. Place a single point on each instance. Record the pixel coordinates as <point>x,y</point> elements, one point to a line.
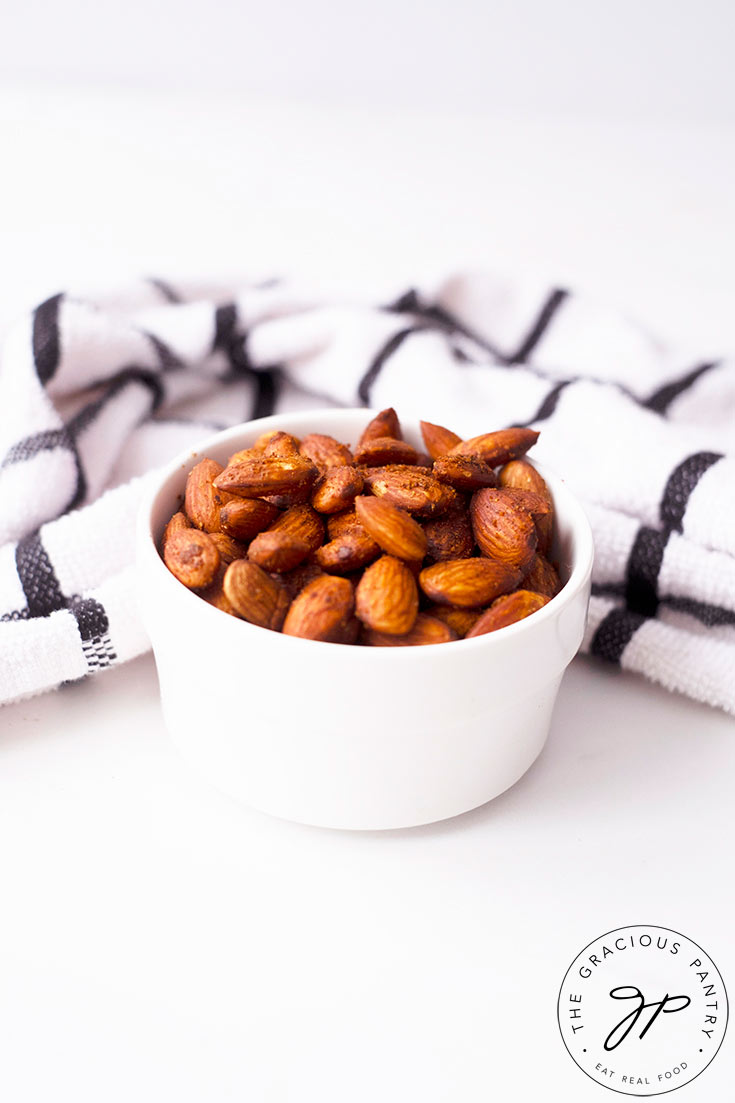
<point>539,327</point>
<point>381,358</point>
<point>661,399</point>
<point>268,385</point>
<point>46,341</point>
<point>45,441</point>
<point>547,406</point>
<point>37,577</point>
<point>680,485</point>
<point>614,633</point>
<point>642,571</point>
<point>225,327</point>
<point>704,611</point>
<point>165,289</point>
<point>167,358</point>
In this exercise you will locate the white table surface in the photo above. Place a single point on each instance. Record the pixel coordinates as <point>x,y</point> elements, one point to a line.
<point>157,940</point>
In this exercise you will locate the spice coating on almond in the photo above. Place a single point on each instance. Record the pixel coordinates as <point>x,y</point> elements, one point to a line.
<point>393,529</point>
<point>503,529</point>
<point>192,557</point>
<point>506,610</point>
<point>322,611</point>
<point>387,599</point>
<point>467,583</point>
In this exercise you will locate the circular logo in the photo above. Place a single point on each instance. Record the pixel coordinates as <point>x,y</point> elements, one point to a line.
<point>642,1010</point>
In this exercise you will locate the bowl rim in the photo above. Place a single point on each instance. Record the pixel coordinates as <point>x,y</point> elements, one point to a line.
<point>147,554</point>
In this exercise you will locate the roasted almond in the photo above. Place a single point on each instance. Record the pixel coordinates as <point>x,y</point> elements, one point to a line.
<point>384,424</point>
<point>542,577</point>
<point>459,620</point>
<point>339,523</point>
<point>296,579</point>
<point>203,500</point>
<point>464,472</point>
<point>265,439</point>
<point>350,551</point>
<point>214,594</point>
<point>325,452</point>
<point>244,518</point>
<point>192,556</point>
<point>337,489</point>
<point>254,595</point>
<point>278,551</point>
<point>264,475</point>
<point>178,523</point>
<point>281,444</point>
<point>522,475</point>
<point>303,523</point>
<point>394,529</point>
<point>425,630</point>
<point>322,611</point>
<point>467,583</point>
<point>450,536</point>
<point>497,448</point>
<point>507,610</point>
<point>503,529</point>
<point>229,549</point>
<point>387,599</point>
<point>437,439</point>
<point>379,451</point>
<point>409,488</point>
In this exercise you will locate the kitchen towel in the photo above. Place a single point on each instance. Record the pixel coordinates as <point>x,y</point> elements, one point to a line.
<point>98,390</point>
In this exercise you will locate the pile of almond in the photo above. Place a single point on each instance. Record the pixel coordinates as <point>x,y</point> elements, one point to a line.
<point>379,545</point>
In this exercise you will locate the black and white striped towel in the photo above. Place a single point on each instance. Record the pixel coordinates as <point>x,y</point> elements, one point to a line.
<point>97,391</point>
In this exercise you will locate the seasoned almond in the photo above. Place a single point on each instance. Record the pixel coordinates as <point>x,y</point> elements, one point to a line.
<point>254,595</point>
<point>426,630</point>
<point>325,452</point>
<point>450,536</point>
<point>387,599</point>
<point>244,454</point>
<point>379,451</point>
<point>542,577</point>
<point>278,551</point>
<point>409,488</point>
<point>394,529</point>
<point>384,424</point>
<point>229,549</point>
<point>522,475</point>
<point>497,448</point>
<point>437,439</point>
<point>264,475</point>
<point>503,529</point>
<point>322,611</point>
<point>203,500</point>
<point>178,523</point>
<point>281,444</point>
<point>337,489</point>
<point>464,472</point>
<point>296,579</point>
<point>244,518</point>
<point>192,556</point>
<point>350,551</point>
<point>303,523</point>
<point>507,610</point>
<point>214,594</point>
<point>265,438</point>
<point>339,523</point>
<point>467,583</point>
<point>459,620</point>
<point>287,499</point>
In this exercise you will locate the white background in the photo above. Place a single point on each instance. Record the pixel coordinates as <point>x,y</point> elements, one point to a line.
<point>158,941</point>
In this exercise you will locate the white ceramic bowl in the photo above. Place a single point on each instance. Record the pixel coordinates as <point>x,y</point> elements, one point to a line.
<point>354,737</point>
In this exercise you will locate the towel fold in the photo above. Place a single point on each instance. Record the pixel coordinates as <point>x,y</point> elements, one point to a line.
<point>96,393</point>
